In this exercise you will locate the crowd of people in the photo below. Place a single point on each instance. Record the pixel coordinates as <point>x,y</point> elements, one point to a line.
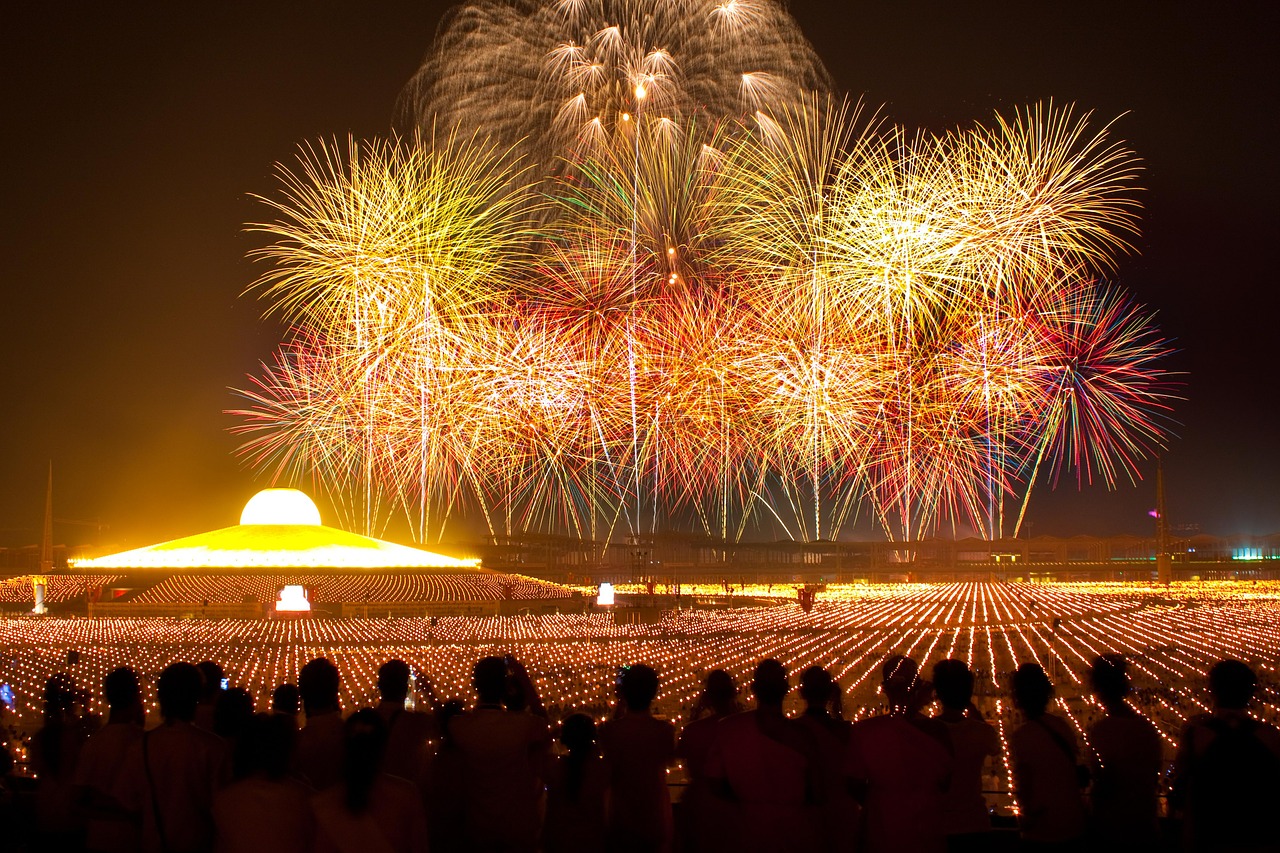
<point>497,774</point>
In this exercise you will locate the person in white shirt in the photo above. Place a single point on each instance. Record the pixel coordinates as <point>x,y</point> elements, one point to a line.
<point>368,811</point>
<point>317,757</point>
<point>898,764</point>
<point>638,749</point>
<point>264,810</point>
<point>1125,763</point>
<point>964,816</point>
<point>108,827</point>
<point>1045,762</point>
<point>408,731</point>
<point>171,774</point>
<point>766,765</point>
<point>501,754</point>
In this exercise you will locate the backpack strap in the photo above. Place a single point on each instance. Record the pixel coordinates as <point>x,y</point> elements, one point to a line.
<point>151,792</point>
<point>1058,739</point>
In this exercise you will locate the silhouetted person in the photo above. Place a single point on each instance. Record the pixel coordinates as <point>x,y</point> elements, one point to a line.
<point>1125,763</point>
<point>965,820</point>
<point>232,713</point>
<point>1045,763</point>
<point>264,810</point>
<point>823,719</point>
<point>1227,771</point>
<point>764,763</point>
<point>368,810</point>
<point>407,730</point>
<point>286,701</point>
<point>899,764</point>
<point>171,774</point>
<point>108,826</point>
<point>577,783</point>
<point>317,759</point>
<point>445,797</point>
<point>502,756</point>
<point>55,749</point>
<point>211,689</point>
<point>702,813</point>
<point>638,748</point>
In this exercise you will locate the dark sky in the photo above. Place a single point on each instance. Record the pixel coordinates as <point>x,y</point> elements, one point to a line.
<point>135,133</point>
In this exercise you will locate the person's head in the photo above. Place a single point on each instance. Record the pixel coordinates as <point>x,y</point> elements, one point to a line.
<point>578,734</point>
<point>393,681</point>
<point>637,687</point>
<point>953,684</point>
<point>769,683</point>
<point>264,746</point>
<point>211,675</point>
<point>178,691</point>
<point>515,697</point>
<point>898,679</point>
<point>817,687</point>
<point>285,699</point>
<point>123,695</point>
<point>1032,689</point>
<point>59,696</point>
<point>318,686</point>
<point>1232,683</point>
<point>720,691</point>
<point>489,677</point>
<point>1109,675</point>
<point>364,739</point>
<point>233,711</point>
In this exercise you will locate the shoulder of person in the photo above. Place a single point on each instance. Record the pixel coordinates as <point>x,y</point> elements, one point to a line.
<point>804,735</point>
<point>1269,735</point>
<point>396,787</point>
<point>331,798</point>
<point>868,725</point>
<point>1137,725</point>
<point>537,726</point>
<point>1027,729</point>
<point>970,727</point>
<point>1195,725</point>
<point>740,721</point>
<point>696,727</point>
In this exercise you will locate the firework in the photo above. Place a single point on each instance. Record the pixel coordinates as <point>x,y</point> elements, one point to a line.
<point>554,76</point>
<point>729,301</point>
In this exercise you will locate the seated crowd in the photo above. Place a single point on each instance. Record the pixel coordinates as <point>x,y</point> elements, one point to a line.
<point>496,775</point>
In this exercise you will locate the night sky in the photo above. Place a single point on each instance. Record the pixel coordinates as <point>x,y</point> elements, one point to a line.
<point>136,133</point>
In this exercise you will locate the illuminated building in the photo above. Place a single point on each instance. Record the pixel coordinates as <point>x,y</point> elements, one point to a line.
<point>281,552</point>
<point>279,529</point>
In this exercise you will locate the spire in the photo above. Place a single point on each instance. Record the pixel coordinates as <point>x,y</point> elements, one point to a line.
<point>46,541</point>
<point>1164,562</point>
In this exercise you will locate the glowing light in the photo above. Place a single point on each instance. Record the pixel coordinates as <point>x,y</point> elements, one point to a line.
<point>605,598</point>
<point>293,599</point>
<point>280,506</point>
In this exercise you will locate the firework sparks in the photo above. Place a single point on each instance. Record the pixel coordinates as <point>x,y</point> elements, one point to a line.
<point>742,301</point>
